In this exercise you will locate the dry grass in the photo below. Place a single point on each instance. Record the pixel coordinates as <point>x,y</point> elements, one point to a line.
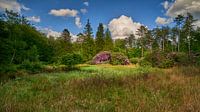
<point>170,90</point>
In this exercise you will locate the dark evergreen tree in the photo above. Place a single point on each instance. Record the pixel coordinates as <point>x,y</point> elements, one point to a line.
<point>108,41</point>
<point>88,43</point>
<point>99,41</point>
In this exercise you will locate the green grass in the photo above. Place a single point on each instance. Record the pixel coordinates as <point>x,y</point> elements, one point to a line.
<point>105,89</point>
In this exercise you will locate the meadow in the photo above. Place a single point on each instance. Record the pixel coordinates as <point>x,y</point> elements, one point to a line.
<point>105,88</point>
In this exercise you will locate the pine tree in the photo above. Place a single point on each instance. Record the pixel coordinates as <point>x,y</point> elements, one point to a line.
<point>88,43</point>
<point>65,41</point>
<point>108,41</point>
<point>141,32</point>
<point>187,31</point>
<point>99,41</point>
<point>179,21</point>
<point>131,40</point>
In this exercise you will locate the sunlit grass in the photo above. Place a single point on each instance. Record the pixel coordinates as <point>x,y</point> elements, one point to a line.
<point>105,88</point>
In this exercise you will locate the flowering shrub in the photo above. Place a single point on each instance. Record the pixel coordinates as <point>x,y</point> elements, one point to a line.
<point>102,57</point>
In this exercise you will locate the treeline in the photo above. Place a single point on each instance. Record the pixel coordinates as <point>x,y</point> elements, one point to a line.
<point>22,44</point>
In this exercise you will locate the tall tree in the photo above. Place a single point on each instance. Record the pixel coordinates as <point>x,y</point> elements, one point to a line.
<point>188,31</point>
<point>165,35</point>
<point>131,41</point>
<point>141,32</point>
<point>179,21</point>
<point>99,41</point>
<point>108,41</point>
<point>149,40</point>
<point>88,43</point>
<point>65,42</point>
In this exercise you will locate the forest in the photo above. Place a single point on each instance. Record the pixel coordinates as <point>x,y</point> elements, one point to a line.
<point>155,69</point>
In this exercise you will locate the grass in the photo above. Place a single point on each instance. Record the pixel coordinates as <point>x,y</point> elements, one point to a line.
<point>105,88</point>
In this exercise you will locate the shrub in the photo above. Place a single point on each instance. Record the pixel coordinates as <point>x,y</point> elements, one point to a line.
<point>102,58</point>
<point>10,68</point>
<point>133,52</point>
<point>134,60</point>
<point>71,59</point>
<point>31,67</point>
<point>144,63</point>
<point>160,59</point>
<point>180,58</point>
<point>167,63</point>
<point>119,59</point>
<point>198,61</point>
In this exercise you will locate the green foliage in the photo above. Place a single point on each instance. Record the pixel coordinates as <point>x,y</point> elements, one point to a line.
<point>88,45</point>
<point>134,60</point>
<point>100,41</point>
<point>71,59</point>
<point>31,67</point>
<point>180,58</point>
<point>20,41</point>
<point>144,63</point>
<point>108,41</point>
<point>118,59</point>
<point>160,59</point>
<point>133,52</point>
<point>167,63</point>
<point>6,69</point>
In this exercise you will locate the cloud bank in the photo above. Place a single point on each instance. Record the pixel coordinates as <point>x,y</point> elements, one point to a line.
<point>163,21</point>
<point>34,19</point>
<point>182,7</point>
<point>122,27</point>
<point>86,3</point>
<point>12,5</point>
<point>64,12</point>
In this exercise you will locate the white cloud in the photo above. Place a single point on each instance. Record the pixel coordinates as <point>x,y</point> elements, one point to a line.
<point>49,32</point>
<point>68,13</point>
<point>78,22</point>
<point>166,4</point>
<point>12,5</point>
<point>184,6</point>
<point>34,19</point>
<point>64,12</point>
<point>25,8</point>
<point>86,3</point>
<point>122,27</point>
<point>163,21</point>
<point>73,37</point>
<point>84,11</point>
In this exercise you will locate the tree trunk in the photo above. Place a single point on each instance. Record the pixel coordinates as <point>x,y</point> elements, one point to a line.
<point>13,56</point>
<point>179,39</point>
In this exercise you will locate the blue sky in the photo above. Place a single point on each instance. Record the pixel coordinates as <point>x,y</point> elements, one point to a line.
<point>143,11</point>
<point>122,17</point>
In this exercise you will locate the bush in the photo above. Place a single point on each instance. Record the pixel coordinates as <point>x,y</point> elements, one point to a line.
<point>198,61</point>
<point>71,59</point>
<point>133,52</point>
<point>31,67</point>
<point>119,59</point>
<point>144,63</point>
<point>167,63</point>
<point>8,68</point>
<point>134,60</point>
<point>160,59</point>
<point>180,58</point>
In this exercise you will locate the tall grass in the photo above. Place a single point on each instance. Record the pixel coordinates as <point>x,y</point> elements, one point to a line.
<point>105,89</point>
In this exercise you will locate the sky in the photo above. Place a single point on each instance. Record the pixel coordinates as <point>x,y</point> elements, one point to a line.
<point>122,17</point>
